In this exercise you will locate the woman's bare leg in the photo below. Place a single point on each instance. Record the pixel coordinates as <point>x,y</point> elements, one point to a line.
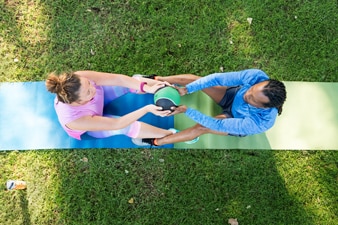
<point>149,131</point>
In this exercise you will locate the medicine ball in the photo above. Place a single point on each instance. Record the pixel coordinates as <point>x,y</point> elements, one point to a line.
<point>167,97</point>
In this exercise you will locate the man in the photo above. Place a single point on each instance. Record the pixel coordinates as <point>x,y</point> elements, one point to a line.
<point>249,99</point>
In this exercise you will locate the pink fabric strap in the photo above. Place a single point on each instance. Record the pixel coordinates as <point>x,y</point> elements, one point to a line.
<point>142,85</point>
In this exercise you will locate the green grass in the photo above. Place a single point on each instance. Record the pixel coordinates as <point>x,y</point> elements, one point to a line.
<point>290,40</point>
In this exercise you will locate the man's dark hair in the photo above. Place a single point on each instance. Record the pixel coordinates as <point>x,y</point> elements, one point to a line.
<point>275,91</point>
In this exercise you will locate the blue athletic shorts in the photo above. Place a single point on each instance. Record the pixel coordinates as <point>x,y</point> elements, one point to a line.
<point>226,103</point>
<point>228,99</point>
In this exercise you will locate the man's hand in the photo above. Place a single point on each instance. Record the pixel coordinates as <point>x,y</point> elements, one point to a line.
<point>178,109</point>
<point>182,90</point>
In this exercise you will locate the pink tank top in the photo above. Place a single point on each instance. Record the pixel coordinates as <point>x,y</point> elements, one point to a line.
<point>67,113</point>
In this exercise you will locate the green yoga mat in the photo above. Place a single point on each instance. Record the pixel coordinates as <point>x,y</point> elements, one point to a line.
<point>309,121</point>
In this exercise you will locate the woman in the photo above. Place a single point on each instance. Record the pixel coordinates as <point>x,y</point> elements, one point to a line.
<point>82,95</point>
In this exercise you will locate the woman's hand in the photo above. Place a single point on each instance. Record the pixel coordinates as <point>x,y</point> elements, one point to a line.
<point>157,110</point>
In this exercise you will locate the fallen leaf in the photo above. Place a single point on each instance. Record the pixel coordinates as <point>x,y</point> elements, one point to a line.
<point>84,159</point>
<point>233,221</point>
<point>131,201</point>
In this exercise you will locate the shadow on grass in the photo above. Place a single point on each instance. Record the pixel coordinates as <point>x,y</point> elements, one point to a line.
<point>175,187</point>
<point>213,186</point>
<point>26,218</point>
<point>15,207</point>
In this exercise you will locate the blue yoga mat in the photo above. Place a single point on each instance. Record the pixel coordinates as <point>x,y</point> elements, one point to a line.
<point>28,120</point>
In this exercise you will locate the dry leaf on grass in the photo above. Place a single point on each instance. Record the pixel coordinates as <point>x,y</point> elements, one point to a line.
<point>84,159</point>
<point>233,221</point>
<point>131,201</point>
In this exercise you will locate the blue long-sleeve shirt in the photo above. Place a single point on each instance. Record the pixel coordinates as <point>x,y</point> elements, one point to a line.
<point>247,119</point>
